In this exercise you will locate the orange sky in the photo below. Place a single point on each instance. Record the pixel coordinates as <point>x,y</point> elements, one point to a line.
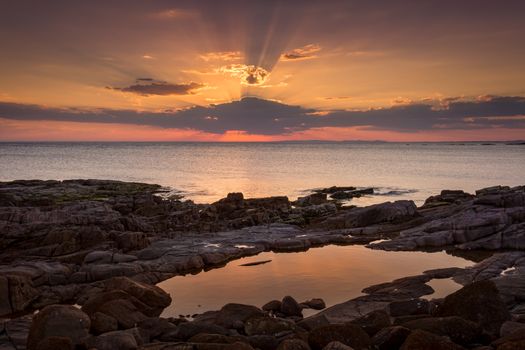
<point>337,55</point>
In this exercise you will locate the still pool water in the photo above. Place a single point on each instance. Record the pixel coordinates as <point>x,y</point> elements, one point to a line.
<point>334,273</point>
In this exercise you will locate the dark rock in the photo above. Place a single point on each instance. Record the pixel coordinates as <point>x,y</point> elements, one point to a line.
<point>231,314</point>
<point>457,329</point>
<point>313,322</point>
<point>478,302</point>
<point>509,327</point>
<point>56,343</point>
<point>290,307</point>
<point>293,344</point>
<point>312,199</point>
<point>263,342</point>
<point>316,304</point>
<point>335,345</point>
<point>409,307</point>
<point>155,327</point>
<point>348,334</point>
<point>16,293</point>
<point>185,331</point>
<point>274,305</point>
<point>333,189</point>
<point>153,296</point>
<point>422,340</point>
<point>102,323</point>
<point>390,338</point>
<point>117,340</point>
<point>213,338</point>
<point>58,321</point>
<point>266,325</point>
<point>373,322</point>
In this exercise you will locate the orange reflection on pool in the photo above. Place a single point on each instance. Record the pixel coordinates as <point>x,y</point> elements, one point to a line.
<point>334,273</point>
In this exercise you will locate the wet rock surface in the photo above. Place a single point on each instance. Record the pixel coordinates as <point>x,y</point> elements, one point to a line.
<point>105,244</point>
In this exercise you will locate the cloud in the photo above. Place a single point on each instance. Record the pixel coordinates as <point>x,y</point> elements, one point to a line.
<point>264,117</point>
<point>149,87</point>
<point>174,13</point>
<point>221,56</point>
<point>248,74</point>
<point>302,53</point>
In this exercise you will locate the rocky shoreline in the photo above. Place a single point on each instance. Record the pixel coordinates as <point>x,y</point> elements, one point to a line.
<point>103,245</point>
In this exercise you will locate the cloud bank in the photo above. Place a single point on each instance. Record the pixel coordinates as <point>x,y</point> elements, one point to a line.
<point>149,87</point>
<point>265,117</point>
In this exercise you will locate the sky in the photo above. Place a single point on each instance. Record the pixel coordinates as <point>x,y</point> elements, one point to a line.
<point>262,70</point>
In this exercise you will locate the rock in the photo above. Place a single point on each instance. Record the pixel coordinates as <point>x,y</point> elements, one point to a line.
<point>513,341</point>
<point>266,325</point>
<point>316,304</point>
<point>117,340</point>
<point>478,302</point>
<point>409,307</point>
<point>155,327</point>
<point>153,296</point>
<point>388,212</point>
<point>313,322</point>
<point>102,323</point>
<point>212,338</point>
<point>335,345</point>
<point>290,307</point>
<point>16,293</point>
<point>58,321</point>
<point>130,241</point>
<point>274,305</point>
<point>232,314</point>
<point>348,334</point>
<point>56,343</point>
<point>422,340</point>
<point>457,329</point>
<point>390,338</point>
<point>263,342</point>
<point>348,194</point>
<point>510,327</point>
<point>186,330</point>
<point>293,344</point>
<point>312,199</point>
<point>373,322</point>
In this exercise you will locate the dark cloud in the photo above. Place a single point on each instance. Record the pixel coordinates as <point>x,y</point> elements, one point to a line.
<point>301,53</point>
<point>148,87</point>
<point>259,116</point>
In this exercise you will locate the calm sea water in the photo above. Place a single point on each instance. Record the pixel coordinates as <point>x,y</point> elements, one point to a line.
<point>208,171</point>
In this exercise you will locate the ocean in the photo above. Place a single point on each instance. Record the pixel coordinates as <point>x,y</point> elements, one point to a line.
<point>206,172</point>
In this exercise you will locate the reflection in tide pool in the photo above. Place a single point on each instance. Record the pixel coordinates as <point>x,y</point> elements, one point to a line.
<point>334,273</point>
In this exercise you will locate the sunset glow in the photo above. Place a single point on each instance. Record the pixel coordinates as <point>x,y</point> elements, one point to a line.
<point>368,71</point>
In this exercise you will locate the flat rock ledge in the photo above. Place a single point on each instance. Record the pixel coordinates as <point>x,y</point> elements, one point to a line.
<point>103,245</point>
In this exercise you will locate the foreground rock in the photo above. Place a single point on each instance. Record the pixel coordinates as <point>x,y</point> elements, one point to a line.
<point>104,244</point>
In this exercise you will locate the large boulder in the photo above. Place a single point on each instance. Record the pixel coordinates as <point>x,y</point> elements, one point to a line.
<point>479,302</point>
<point>117,340</point>
<point>233,315</point>
<point>59,321</point>
<point>422,340</point>
<point>348,334</point>
<point>16,293</point>
<point>290,307</point>
<point>293,344</point>
<point>153,296</point>
<point>373,322</point>
<point>457,329</point>
<point>390,338</point>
